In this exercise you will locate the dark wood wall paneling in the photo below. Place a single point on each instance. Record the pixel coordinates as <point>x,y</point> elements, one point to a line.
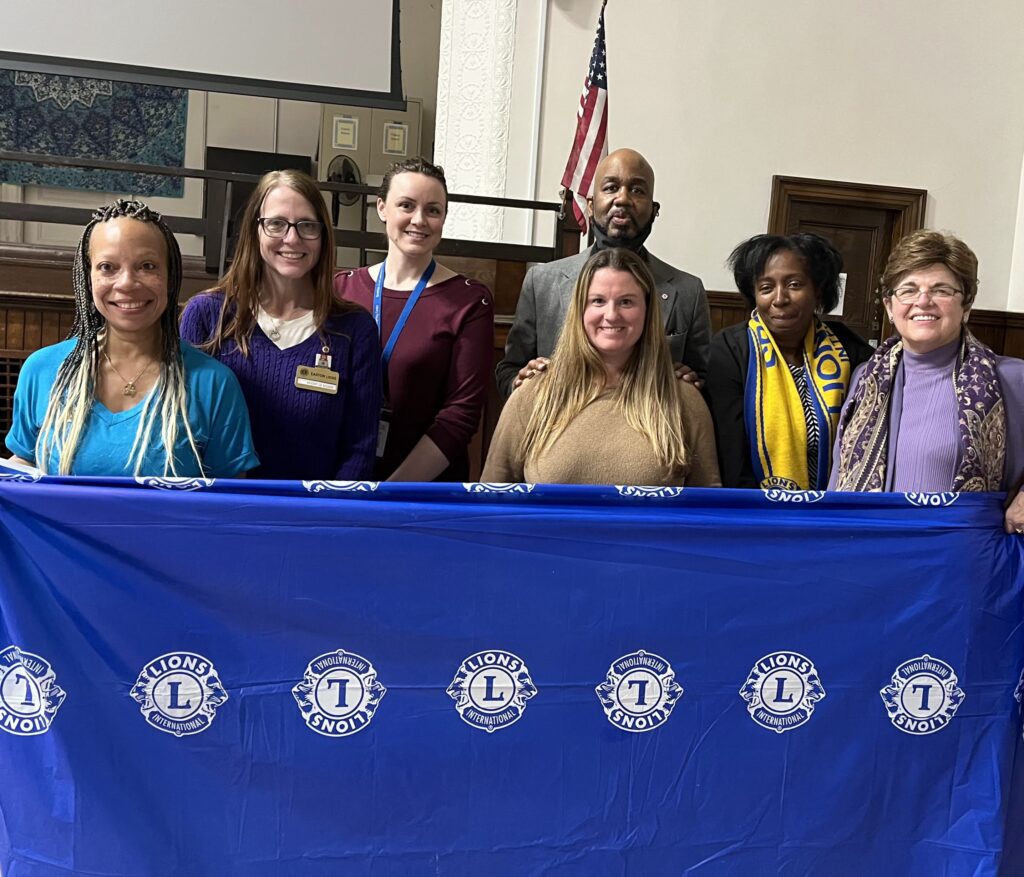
<point>31,268</point>
<point>1003,331</point>
<point>727,309</point>
<point>28,321</point>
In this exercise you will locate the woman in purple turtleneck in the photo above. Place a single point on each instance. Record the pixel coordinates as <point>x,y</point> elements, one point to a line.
<point>934,409</point>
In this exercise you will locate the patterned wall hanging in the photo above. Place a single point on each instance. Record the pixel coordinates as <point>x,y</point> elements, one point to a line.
<point>79,117</point>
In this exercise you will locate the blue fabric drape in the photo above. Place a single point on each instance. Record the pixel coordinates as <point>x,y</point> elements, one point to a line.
<point>269,678</point>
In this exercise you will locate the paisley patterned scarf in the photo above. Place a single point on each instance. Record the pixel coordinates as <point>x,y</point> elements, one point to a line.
<point>864,451</point>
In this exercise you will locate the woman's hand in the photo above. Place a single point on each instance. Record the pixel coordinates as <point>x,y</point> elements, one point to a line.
<point>425,462</point>
<point>1014,519</point>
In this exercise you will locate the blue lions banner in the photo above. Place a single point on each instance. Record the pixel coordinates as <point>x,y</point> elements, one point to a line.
<point>259,678</point>
<point>80,117</point>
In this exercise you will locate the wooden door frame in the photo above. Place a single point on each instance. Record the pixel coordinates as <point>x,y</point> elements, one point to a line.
<point>906,206</point>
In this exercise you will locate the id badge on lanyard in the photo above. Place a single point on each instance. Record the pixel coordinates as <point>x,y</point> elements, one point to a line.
<point>389,348</point>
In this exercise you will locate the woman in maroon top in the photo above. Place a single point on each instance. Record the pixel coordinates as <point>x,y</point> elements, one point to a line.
<point>438,362</point>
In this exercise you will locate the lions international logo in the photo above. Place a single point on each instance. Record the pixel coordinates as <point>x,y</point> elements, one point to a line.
<point>781,691</point>
<point>174,483</point>
<point>20,477</point>
<point>659,492</point>
<point>341,486</point>
<point>778,494</point>
<point>497,487</point>
<point>639,692</point>
<point>777,482</point>
<point>931,500</point>
<point>490,689</point>
<point>29,693</point>
<point>179,693</point>
<point>923,696</point>
<point>338,694</point>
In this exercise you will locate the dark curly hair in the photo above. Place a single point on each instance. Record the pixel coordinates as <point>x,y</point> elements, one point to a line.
<point>822,261</point>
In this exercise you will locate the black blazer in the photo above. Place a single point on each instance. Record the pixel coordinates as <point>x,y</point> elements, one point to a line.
<point>727,377</point>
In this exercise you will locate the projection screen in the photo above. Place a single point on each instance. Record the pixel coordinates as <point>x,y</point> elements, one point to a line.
<point>332,51</point>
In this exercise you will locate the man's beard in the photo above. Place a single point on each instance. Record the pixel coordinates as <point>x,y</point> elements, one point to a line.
<point>602,240</point>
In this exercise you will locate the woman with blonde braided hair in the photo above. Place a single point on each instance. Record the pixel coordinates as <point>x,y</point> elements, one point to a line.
<point>123,396</point>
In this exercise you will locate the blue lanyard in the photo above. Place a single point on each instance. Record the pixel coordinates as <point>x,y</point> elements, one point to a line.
<point>378,295</point>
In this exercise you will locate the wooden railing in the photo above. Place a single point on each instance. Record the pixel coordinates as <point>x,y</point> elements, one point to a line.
<point>214,226</point>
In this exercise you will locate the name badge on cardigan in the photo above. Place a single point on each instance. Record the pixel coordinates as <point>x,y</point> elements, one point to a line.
<point>319,380</point>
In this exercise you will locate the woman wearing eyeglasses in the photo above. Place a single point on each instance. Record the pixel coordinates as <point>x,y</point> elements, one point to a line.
<point>309,365</point>
<point>934,409</point>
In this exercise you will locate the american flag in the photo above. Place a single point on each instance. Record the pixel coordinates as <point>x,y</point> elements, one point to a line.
<point>591,143</point>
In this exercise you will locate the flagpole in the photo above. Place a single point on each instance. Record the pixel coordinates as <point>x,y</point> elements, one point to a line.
<point>590,143</point>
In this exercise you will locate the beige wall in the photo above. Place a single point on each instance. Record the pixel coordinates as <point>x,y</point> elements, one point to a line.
<point>421,35</point>
<point>722,94</point>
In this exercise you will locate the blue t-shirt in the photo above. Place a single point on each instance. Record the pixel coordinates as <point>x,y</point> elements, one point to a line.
<point>216,413</point>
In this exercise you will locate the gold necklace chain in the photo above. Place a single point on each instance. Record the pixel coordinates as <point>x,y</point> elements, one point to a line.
<point>129,386</point>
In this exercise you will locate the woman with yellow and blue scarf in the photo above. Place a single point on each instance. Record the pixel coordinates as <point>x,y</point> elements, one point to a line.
<point>778,382</point>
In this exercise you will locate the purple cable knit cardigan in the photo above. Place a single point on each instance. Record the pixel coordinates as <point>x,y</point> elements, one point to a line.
<point>302,434</point>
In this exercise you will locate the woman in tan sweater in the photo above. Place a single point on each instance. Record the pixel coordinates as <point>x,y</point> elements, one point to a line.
<point>608,410</point>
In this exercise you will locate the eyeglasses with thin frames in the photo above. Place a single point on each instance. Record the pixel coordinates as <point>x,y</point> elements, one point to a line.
<point>906,295</point>
<point>275,227</point>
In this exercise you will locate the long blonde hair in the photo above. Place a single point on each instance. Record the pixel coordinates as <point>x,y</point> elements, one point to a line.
<point>72,395</point>
<point>648,396</point>
<point>241,285</point>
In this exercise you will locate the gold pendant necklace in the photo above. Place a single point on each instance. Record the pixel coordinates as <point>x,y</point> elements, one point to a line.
<point>129,386</point>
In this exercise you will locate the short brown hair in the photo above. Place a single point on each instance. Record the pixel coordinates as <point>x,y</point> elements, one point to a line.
<point>412,166</point>
<point>925,247</point>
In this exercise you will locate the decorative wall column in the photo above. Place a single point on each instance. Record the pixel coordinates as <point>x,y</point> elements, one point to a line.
<point>474,98</point>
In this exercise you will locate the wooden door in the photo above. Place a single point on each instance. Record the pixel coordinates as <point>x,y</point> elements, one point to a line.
<point>862,221</point>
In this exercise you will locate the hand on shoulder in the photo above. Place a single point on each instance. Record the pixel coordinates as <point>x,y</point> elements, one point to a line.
<point>529,371</point>
<point>687,375</point>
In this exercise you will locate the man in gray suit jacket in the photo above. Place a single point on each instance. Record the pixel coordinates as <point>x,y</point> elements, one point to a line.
<point>622,211</point>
